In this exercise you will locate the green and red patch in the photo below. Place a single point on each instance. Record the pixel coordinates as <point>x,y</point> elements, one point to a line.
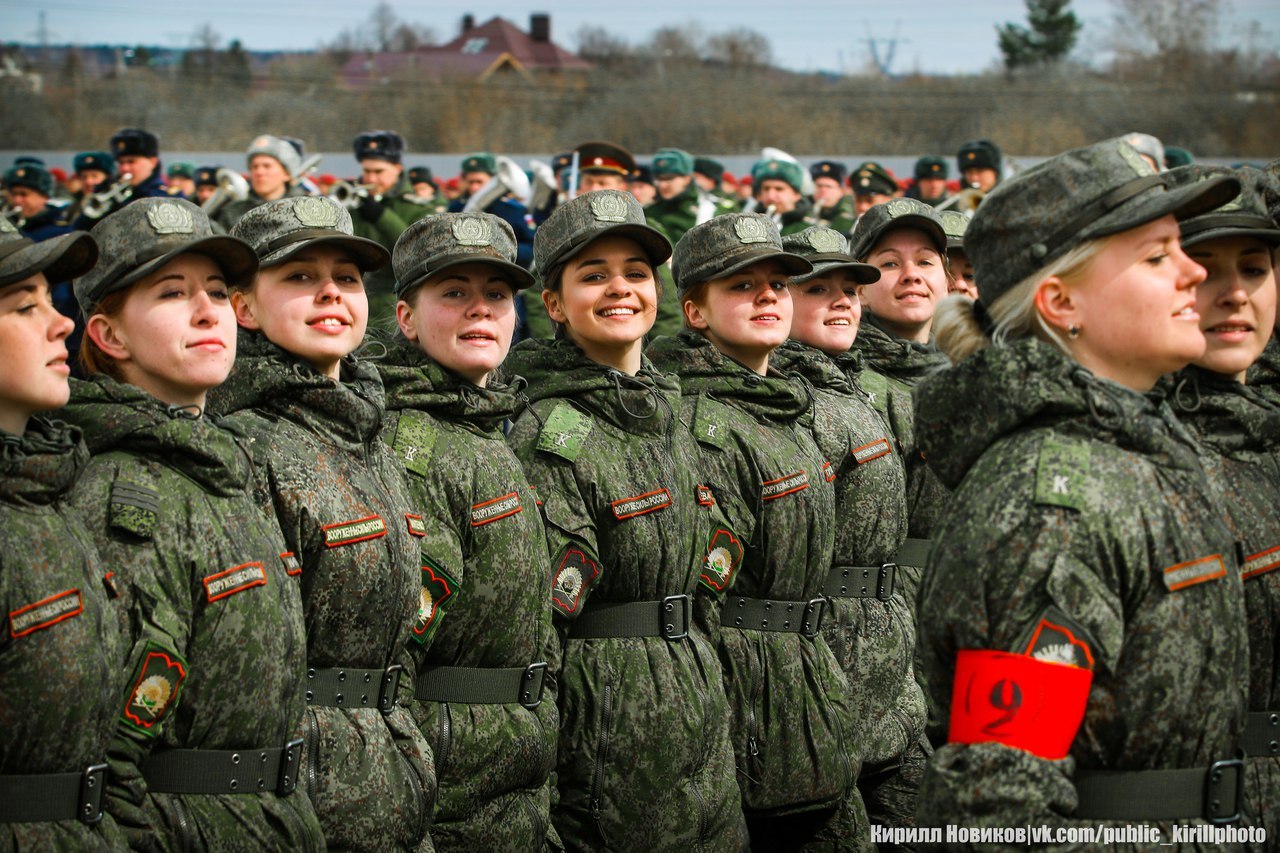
<point>438,588</point>
<point>292,566</point>
<point>706,497</point>
<point>415,524</point>
<point>873,450</point>
<point>487,512</point>
<point>574,575</point>
<point>625,508</point>
<point>45,613</point>
<point>724,556</point>
<point>156,685</point>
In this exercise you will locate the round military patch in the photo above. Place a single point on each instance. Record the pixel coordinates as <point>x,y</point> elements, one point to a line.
<point>152,693</point>
<point>569,583</point>
<point>751,230</point>
<point>899,207</point>
<point>720,561</point>
<point>315,212</point>
<point>607,207</point>
<point>170,219</point>
<point>825,240</point>
<point>470,231</point>
<point>425,605</point>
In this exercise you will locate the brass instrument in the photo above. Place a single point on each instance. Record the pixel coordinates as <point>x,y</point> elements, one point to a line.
<point>544,185</point>
<point>231,187</point>
<point>350,195</point>
<point>966,201</point>
<point>13,213</point>
<point>99,204</point>
<point>509,180</point>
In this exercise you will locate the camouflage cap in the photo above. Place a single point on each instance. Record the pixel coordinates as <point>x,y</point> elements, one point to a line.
<point>32,177</point>
<point>1244,216</point>
<point>481,161</point>
<point>873,179</point>
<point>436,243</point>
<point>588,217</point>
<point>146,234</point>
<point>954,224</point>
<point>725,244</point>
<point>60,258</point>
<point>280,229</point>
<point>100,160</point>
<point>894,215</point>
<point>778,170</point>
<point>828,251</point>
<point>279,149</point>
<point>672,161</point>
<point>931,166</point>
<point>1040,214</point>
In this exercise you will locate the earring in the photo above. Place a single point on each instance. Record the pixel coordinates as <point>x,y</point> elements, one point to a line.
<point>1073,331</point>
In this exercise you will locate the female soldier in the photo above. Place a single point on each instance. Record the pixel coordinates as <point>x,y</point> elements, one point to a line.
<point>480,670</point>
<point>906,241</point>
<point>645,761</point>
<point>791,722</point>
<point>1237,308</point>
<point>871,628</point>
<point>1083,597</point>
<point>314,413</point>
<point>204,756</point>
<point>60,611</point>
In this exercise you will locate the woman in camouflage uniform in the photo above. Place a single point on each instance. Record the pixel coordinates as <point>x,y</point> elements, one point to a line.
<point>314,412</point>
<point>204,756</point>
<point>1083,598</point>
<point>791,719</point>
<point>871,628</point>
<point>484,623</point>
<point>1237,307</point>
<point>56,730</point>
<point>644,756</point>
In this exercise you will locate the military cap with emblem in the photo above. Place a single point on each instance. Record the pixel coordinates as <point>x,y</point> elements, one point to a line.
<point>279,149</point>
<point>435,243</point>
<point>1036,217</point>
<point>672,161</point>
<point>641,175</point>
<point>207,176</point>
<point>979,154</point>
<point>421,175</point>
<point>59,258</point>
<point>481,161</point>
<point>280,229</point>
<point>100,160</point>
<point>588,217</point>
<point>709,168</point>
<point>954,224</point>
<point>182,169</point>
<point>135,142</point>
<point>562,161</point>
<point>1243,216</point>
<point>779,170</point>
<point>871,178</point>
<point>146,234</point>
<point>931,166</point>
<point>893,215</point>
<point>379,145</point>
<point>828,251</point>
<point>605,157</point>
<point>829,169</point>
<point>32,177</point>
<point>726,244</point>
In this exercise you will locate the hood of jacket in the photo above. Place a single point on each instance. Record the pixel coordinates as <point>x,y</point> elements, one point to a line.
<point>826,372</point>
<point>117,416</point>
<point>40,465</point>
<point>893,356</point>
<point>961,412</point>
<point>702,368</point>
<point>411,379</point>
<point>1228,416</point>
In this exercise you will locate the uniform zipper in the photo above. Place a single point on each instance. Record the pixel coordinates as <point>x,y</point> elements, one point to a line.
<point>753,725</point>
<point>312,737</point>
<point>184,826</point>
<point>446,737</point>
<point>602,754</point>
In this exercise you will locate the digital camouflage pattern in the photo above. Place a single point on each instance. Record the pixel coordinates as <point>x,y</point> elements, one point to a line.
<point>1240,429</point>
<point>340,498</point>
<point>645,760</point>
<point>891,216</point>
<point>436,243</point>
<point>681,212</point>
<point>1074,493</point>
<point>873,639</point>
<point>485,601</point>
<point>727,244</point>
<point>791,717</point>
<point>215,657</point>
<point>1264,375</point>
<point>229,214</point>
<point>56,608</point>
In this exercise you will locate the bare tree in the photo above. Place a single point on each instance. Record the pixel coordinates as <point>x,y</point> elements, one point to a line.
<point>740,48</point>
<point>676,44</point>
<point>1153,27</point>
<point>382,26</point>
<point>601,46</point>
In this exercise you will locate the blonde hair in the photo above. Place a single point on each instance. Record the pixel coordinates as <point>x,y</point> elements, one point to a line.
<point>1013,315</point>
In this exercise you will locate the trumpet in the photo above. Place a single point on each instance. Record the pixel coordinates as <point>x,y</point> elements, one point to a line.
<point>966,201</point>
<point>350,195</point>
<point>99,204</point>
<point>231,187</point>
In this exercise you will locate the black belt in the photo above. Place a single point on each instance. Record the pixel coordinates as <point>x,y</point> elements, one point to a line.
<point>482,686</point>
<point>343,687</point>
<point>1213,794</point>
<point>914,553</point>
<point>668,618</point>
<point>1261,733</point>
<point>762,614</point>
<point>860,582</point>
<point>224,771</point>
<point>53,796</point>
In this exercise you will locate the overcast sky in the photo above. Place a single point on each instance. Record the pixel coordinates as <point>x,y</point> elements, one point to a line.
<point>825,35</point>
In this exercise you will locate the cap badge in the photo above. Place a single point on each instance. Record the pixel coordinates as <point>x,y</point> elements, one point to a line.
<point>607,207</point>
<point>472,232</point>
<point>1131,156</point>
<point>314,212</point>
<point>170,219</point>
<point>261,142</point>
<point>825,240</point>
<point>750,230</point>
<point>900,207</point>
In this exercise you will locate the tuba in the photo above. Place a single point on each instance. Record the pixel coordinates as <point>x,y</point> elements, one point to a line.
<point>509,180</point>
<point>231,187</point>
<point>99,204</point>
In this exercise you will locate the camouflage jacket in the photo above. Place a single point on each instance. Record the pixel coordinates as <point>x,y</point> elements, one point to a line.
<point>485,591</point>
<point>1264,375</point>
<point>57,608</point>
<point>231,212</point>
<point>872,638</point>
<point>1082,529</point>
<point>339,497</point>
<point>216,657</point>
<point>791,718</point>
<point>1241,430</point>
<point>645,760</point>
<point>841,216</point>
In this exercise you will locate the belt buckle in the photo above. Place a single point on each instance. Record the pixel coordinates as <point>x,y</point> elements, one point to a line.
<point>1213,779</point>
<point>89,805</point>
<point>390,684</point>
<point>525,692</point>
<point>812,620</point>
<point>668,630</point>
<point>884,588</point>
<point>290,762</point>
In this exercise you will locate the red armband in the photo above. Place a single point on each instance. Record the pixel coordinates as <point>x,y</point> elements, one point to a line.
<point>1018,701</point>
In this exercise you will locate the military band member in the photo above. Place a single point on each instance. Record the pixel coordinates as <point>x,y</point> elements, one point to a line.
<point>834,206</point>
<point>779,191</point>
<point>980,163</point>
<point>477,170</point>
<point>388,206</point>
<point>93,169</point>
<point>274,165</point>
<point>181,176</point>
<point>931,175</point>
<point>28,190</point>
<point>680,204</point>
<point>137,158</point>
<point>206,183</point>
<point>640,184</point>
<point>424,187</point>
<point>603,166</point>
<point>871,184</point>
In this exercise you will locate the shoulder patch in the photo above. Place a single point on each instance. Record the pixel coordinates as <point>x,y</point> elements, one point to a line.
<point>706,496</point>
<point>438,587</point>
<point>724,556</point>
<point>490,511</point>
<point>1193,572</point>
<point>224,584</point>
<point>414,441</point>
<point>565,431</point>
<point>45,612</point>
<point>417,527</point>
<point>350,532</point>
<point>135,509</point>
<point>156,685</point>
<point>1057,638</point>
<point>771,490</point>
<point>711,422</point>
<point>876,387</point>
<point>625,508</point>
<point>1060,473</point>
<point>574,575</point>
<point>292,566</point>
<point>874,450</point>
<point>1261,563</point>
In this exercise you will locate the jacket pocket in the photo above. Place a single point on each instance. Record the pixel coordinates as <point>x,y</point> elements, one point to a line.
<point>607,700</point>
